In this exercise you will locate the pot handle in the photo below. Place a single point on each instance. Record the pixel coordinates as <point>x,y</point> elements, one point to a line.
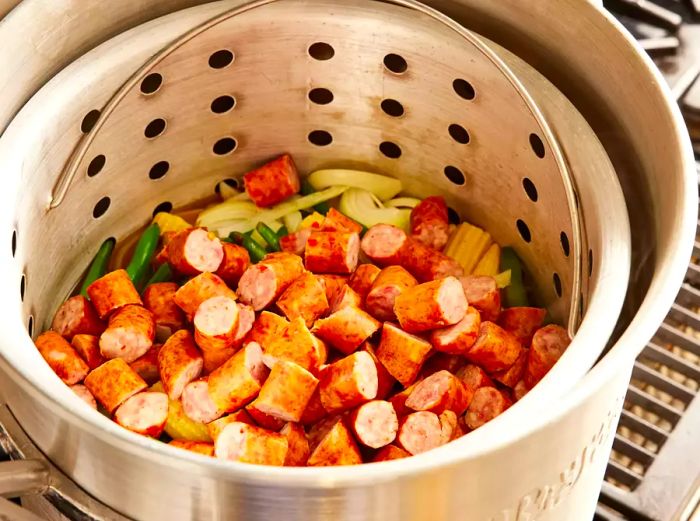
<point>19,478</point>
<point>9,510</point>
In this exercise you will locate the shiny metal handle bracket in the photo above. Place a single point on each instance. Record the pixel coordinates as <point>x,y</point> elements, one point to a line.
<point>18,478</point>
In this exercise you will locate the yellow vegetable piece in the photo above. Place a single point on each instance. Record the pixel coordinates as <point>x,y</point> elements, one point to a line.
<point>168,222</point>
<point>488,264</point>
<point>467,246</point>
<point>310,220</point>
<point>178,425</point>
<point>503,279</point>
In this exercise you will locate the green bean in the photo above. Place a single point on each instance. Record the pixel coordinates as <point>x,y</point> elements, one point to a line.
<point>255,251</point>
<point>269,235</point>
<point>515,293</point>
<point>143,253</point>
<point>307,189</point>
<point>282,232</point>
<point>162,274</point>
<point>98,267</point>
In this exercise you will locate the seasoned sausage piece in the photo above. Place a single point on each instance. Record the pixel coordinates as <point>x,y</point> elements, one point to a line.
<point>495,348</point>
<point>388,285</point>
<point>346,297</point>
<point>264,420</point>
<point>113,382</point>
<point>439,392</point>
<point>399,401</point>
<point>88,347</point>
<point>383,244</point>
<point>482,293</point>
<point>420,432</point>
<point>473,377</point>
<point>159,299</point>
<point>511,376</point>
<point>402,353</point>
<point>295,242</point>
<point>305,298</point>
<point>450,425</point>
<point>273,182</point>
<point>217,426</point>
<point>266,328</point>
<point>346,329</point>
<point>237,382</point>
<point>459,338</point>
<point>298,452</point>
<point>296,344</point>
<point>144,413</point>
<point>431,305</point>
<point>216,323</point>
<point>390,452</point>
<point>426,263</point>
<point>111,292</point>
<point>194,251</point>
<point>129,334</point>
<point>213,358</point>
<point>374,423</point>
<point>522,322</point>
<point>337,222</point>
<point>179,362</point>
<point>488,402</point>
<point>385,382</point>
<point>197,403</point>
<point>236,260</point>
<point>77,316</point>
<point>548,344</point>
<point>348,382</point>
<point>332,252</point>
<point>286,392</point>
<point>61,357</point>
<point>520,390</point>
<point>332,284</point>
<point>362,279</point>
<point>441,362</point>
<point>335,447</point>
<point>84,394</point>
<point>314,411</point>
<point>430,223</point>
<point>200,447</point>
<point>198,289</point>
<point>147,365</point>
<point>248,444</point>
<point>264,282</point>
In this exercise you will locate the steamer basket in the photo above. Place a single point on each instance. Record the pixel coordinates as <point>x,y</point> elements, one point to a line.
<point>56,214</point>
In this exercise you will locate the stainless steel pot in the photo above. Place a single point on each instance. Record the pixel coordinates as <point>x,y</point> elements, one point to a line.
<point>554,476</point>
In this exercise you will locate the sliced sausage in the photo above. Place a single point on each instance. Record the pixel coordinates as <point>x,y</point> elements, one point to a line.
<point>459,338</point>
<point>335,447</point>
<point>147,365</point>
<point>159,299</point>
<point>298,451</point>
<point>348,382</point>
<point>113,382</point>
<point>144,413</point>
<point>198,289</point>
<point>390,452</point>
<point>295,242</point>
<point>296,344</point>
<point>511,376</point>
<point>337,222</point>
<point>234,263</point>
<point>495,348</point>
<point>441,362</point>
<point>548,344</point>
<point>88,347</point>
<point>197,403</point>
<point>77,316</point>
<point>111,292</point>
<point>399,401</point>
<point>315,411</point>
<point>332,284</point>
<point>362,279</point>
<point>238,381</point>
<point>430,223</point>
<point>374,423</point>
<point>431,305</point>
<point>249,444</point>
<point>383,244</point>
<point>488,402</point>
<point>522,322</point>
<point>388,285</point>
<point>264,282</point>
<point>482,293</point>
<point>200,447</point>
<point>520,390</point>
<point>305,298</point>
<point>286,392</point>
<point>213,358</point>
<point>346,297</point>
<point>179,362</point>
<point>129,334</point>
<point>385,382</point>
<point>84,394</point>
<point>332,252</point>
<point>426,263</point>
<point>215,427</point>
<point>420,432</point>
<point>402,353</point>
<point>62,357</point>
<point>439,392</point>
<point>194,251</point>
<point>473,377</point>
<point>216,323</point>
<point>266,328</point>
<point>273,182</point>
<point>264,420</point>
<point>450,425</point>
<point>346,329</point>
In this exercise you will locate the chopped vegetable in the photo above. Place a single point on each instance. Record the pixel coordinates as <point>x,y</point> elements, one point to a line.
<point>503,279</point>
<point>402,202</point>
<point>98,267</point>
<point>312,221</point>
<point>141,259</point>
<point>168,222</point>
<point>282,232</point>
<point>515,294</point>
<point>269,235</point>
<point>488,264</point>
<point>307,189</point>
<point>292,221</point>
<point>467,244</point>
<point>231,209</point>
<point>162,274</point>
<point>360,205</point>
<point>178,425</point>
<point>382,186</point>
<point>255,250</point>
<point>226,191</point>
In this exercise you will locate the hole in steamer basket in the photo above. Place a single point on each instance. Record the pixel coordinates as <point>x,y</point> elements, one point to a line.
<point>229,181</point>
<point>455,175</point>
<point>165,206</point>
<point>530,189</point>
<point>22,283</point>
<point>564,239</point>
<point>224,146</point>
<point>537,145</point>
<point>523,230</point>
<point>155,128</point>
<point>459,134</point>
<point>320,96</point>
<point>392,108</point>
<point>557,284</point>
<point>320,138</point>
<point>96,165</point>
<point>30,325</point>
<point>14,242</point>
<point>89,121</point>
<point>390,149</point>
<point>321,51</point>
<point>223,104</point>
<point>464,89</point>
<point>101,207</point>
<point>151,83</point>
<point>395,63</point>
<point>221,59</point>
<point>158,170</point>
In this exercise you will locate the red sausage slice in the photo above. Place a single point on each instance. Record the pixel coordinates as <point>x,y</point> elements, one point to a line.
<point>200,447</point>
<point>129,334</point>
<point>426,263</point>
<point>388,285</point>
<point>335,447</point>
<point>402,353</point>
<point>198,289</point>
<point>488,402</point>
<point>383,244</point>
<point>217,426</point>
<point>88,347</point>
<point>431,305</point>
<point>390,452</point>
<point>298,452</point>
<point>459,338</point>
<point>61,357</point>
<point>482,293</point>
<point>374,423</point>
<point>113,382</point>
<point>495,349</point>
<point>385,382</point>
<point>264,282</point>
<point>77,316</point>
<point>194,251</point>
<point>179,362</point>
<point>144,413</point>
<point>111,292</point>
<point>439,392</point>
<point>511,376</point>
<point>159,299</point>
<point>295,242</point>
<point>332,252</point>
<point>430,223</point>
<point>197,403</point>
<point>522,322</point>
<point>548,344</point>
<point>362,279</point>
<point>216,323</point>
<point>84,394</point>
<point>305,298</point>
<point>286,392</point>
<point>236,260</point>
<point>420,432</point>
<point>147,365</point>
<point>348,382</point>
<point>238,381</point>
<point>273,182</point>
<point>337,222</point>
<point>248,444</point>
<point>347,328</point>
